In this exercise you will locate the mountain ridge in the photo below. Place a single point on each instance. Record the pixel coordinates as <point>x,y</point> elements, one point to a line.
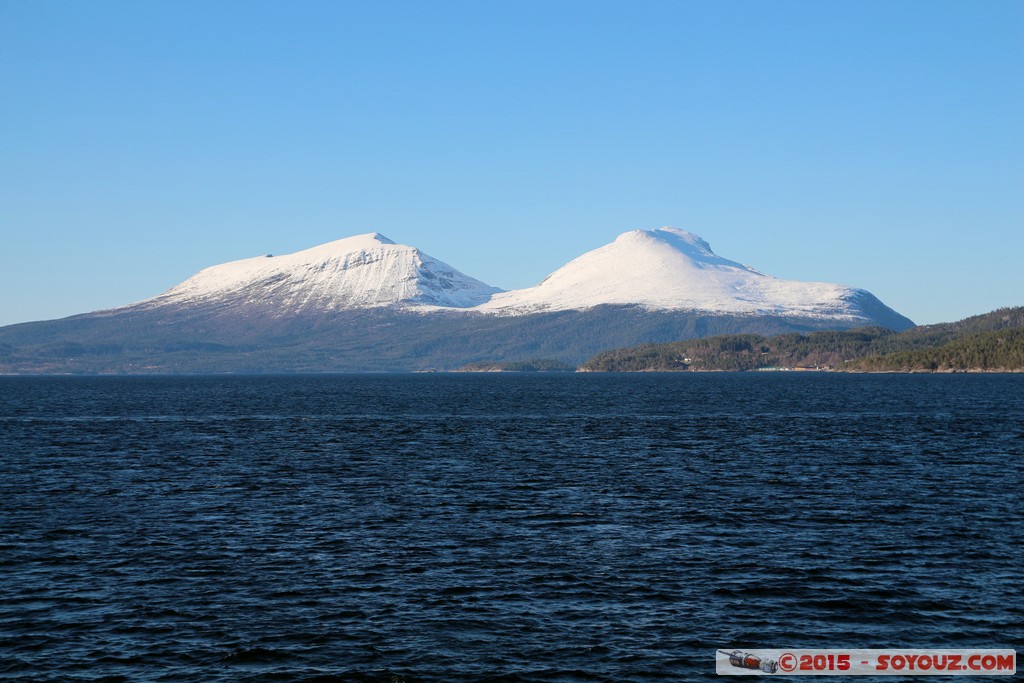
<point>362,271</point>
<point>365,303</point>
<point>661,269</point>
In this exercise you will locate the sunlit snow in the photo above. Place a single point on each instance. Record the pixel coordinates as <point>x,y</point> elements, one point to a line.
<point>662,269</point>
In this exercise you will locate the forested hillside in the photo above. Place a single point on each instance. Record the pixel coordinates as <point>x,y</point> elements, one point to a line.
<point>988,342</point>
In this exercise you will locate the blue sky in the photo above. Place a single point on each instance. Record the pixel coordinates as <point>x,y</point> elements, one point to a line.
<point>875,144</point>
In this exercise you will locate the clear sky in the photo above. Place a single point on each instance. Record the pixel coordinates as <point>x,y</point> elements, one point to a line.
<point>874,144</point>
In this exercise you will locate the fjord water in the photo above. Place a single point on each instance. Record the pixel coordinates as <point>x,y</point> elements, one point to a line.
<point>500,527</point>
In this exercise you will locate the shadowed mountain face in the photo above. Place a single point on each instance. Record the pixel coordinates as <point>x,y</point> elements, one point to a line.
<point>365,303</point>
<point>367,340</point>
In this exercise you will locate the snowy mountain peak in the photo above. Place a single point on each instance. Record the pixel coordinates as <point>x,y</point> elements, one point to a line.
<point>380,238</point>
<point>363,271</point>
<point>672,269</point>
<point>671,243</point>
<point>346,245</point>
<point>664,269</point>
<point>368,238</point>
<point>670,236</point>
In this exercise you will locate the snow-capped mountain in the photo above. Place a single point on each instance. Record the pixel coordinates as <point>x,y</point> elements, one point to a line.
<point>671,269</point>
<point>366,303</point>
<point>666,269</point>
<point>364,271</point>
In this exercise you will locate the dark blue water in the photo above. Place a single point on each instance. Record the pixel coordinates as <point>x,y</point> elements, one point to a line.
<point>500,527</point>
